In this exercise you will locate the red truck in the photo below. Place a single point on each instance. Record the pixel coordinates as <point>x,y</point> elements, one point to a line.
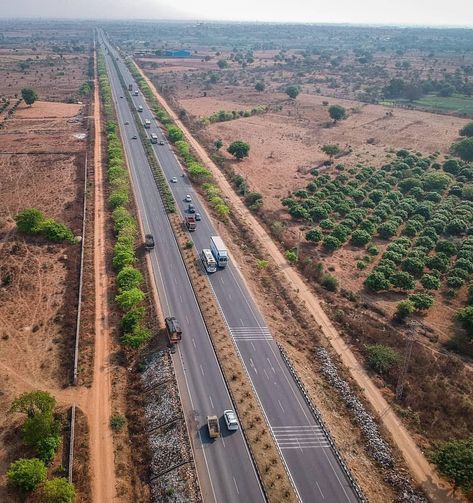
<point>174,330</point>
<point>190,223</point>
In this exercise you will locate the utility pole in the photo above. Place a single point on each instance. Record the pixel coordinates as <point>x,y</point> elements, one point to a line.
<point>405,363</point>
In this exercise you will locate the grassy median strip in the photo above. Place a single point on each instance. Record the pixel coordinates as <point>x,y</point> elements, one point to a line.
<point>266,456</point>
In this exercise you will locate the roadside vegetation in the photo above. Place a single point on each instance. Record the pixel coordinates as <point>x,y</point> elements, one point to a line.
<point>32,221</point>
<point>130,297</point>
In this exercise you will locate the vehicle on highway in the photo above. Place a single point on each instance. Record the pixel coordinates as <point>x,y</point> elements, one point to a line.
<point>134,137</point>
<point>140,108</point>
<point>121,96</point>
<point>189,222</point>
<point>136,93</point>
<point>161,142</point>
<point>208,260</point>
<point>219,250</point>
<point>191,208</point>
<point>188,198</point>
<point>149,242</point>
<point>154,138</point>
<point>173,330</point>
<point>130,87</point>
<point>230,420</point>
<point>198,217</point>
<point>213,426</point>
<point>147,124</point>
<point>174,179</point>
<point>126,123</point>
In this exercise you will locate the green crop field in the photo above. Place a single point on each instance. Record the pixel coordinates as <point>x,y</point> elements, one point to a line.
<point>457,103</point>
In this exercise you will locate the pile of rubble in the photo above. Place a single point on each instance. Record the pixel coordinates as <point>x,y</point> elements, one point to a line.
<point>173,477</point>
<point>378,448</point>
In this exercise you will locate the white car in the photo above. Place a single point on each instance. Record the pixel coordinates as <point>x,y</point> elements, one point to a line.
<point>174,179</point>
<point>188,198</point>
<point>230,419</point>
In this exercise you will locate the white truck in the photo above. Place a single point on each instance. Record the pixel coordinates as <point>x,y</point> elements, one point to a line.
<point>219,250</point>
<point>147,124</point>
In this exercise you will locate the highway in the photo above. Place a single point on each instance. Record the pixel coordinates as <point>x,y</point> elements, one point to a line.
<point>225,469</point>
<point>314,469</point>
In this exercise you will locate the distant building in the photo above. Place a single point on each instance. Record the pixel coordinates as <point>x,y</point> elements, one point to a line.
<point>179,53</point>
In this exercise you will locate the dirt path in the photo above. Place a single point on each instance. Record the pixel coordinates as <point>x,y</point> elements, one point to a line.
<point>421,470</point>
<point>100,442</point>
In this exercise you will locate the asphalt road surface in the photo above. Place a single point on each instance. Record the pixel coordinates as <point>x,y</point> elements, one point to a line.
<point>311,462</point>
<point>225,469</point>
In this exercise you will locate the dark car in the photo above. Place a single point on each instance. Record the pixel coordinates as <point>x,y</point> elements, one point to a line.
<point>149,242</point>
<point>191,208</point>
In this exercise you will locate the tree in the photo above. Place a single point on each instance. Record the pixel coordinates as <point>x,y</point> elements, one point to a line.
<point>421,301</point>
<point>291,256</point>
<point>26,474</point>
<point>337,112</point>
<point>218,143</point>
<point>34,402</point>
<point>329,282</point>
<point>455,460</point>
<point>239,149</point>
<point>331,150</point>
<point>260,87</point>
<point>57,232</point>
<point>465,317</point>
<point>387,230</point>
<point>467,130</point>
<point>464,149</point>
<point>360,237</point>
<point>381,358</point>
<point>314,235</point>
<point>254,201</point>
<point>175,134</point>
<point>377,281</point>
<point>130,298</point>
<point>404,309</point>
<point>331,243</point>
<point>292,91</point>
<point>222,63</point>
<point>29,96</point>
<point>430,282</point>
<point>402,280</point>
<point>436,181</point>
<point>58,490</point>
<point>29,221</point>
<point>129,277</point>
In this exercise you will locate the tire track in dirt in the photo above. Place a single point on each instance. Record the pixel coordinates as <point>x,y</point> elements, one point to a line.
<point>420,468</point>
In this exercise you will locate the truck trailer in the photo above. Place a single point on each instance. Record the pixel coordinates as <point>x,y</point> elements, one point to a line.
<point>130,87</point>
<point>213,426</point>
<point>173,330</point>
<point>219,250</point>
<point>189,222</point>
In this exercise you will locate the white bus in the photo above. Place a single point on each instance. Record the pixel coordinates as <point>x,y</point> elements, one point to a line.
<point>208,260</point>
<point>219,250</point>
<point>154,138</point>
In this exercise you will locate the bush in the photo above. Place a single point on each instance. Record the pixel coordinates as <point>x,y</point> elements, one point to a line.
<point>58,490</point>
<point>291,256</point>
<point>430,282</point>
<point>465,317</point>
<point>137,337</point>
<point>402,280</point>
<point>47,447</point>
<point>175,134</point>
<point>130,298</point>
<point>57,232</point>
<point>128,278</point>
<point>377,281</point>
<point>360,237</point>
<point>124,256</point>
<point>455,460</point>
<point>404,309</point>
<point>313,235</point>
<point>29,221</point>
<point>421,301</point>
<point>331,243</point>
<point>117,422</point>
<point>26,474</point>
<point>381,358</point>
<point>239,149</point>
<point>132,319</point>
<point>329,282</point>
<point>464,149</point>
<point>254,201</point>
<point>118,198</point>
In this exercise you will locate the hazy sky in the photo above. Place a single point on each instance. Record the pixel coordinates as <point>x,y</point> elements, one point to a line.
<point>423,12</point>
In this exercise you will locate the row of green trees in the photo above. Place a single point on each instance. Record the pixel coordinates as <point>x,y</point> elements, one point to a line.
<point>40,432</point>
<point>223,116</point>
<point>129,279</point>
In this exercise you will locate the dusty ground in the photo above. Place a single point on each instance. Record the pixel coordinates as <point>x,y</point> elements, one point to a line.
<point>38,298</point>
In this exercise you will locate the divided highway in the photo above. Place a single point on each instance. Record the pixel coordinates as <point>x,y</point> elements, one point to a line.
<point>313,466</point>
<point>225,469</point>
